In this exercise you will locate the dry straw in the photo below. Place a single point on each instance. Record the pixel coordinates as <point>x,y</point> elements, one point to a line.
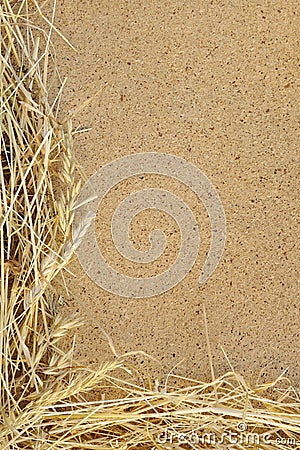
<point>43,391</point>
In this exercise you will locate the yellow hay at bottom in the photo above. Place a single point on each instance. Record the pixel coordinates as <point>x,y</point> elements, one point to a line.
<point>42,389</point>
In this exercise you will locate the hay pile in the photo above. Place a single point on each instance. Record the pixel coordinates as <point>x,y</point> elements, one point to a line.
<point>42,389</point>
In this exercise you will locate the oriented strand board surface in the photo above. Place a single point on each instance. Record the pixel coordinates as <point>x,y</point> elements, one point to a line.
<point>215,83</point>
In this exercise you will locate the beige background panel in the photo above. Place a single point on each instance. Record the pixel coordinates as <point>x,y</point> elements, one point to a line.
<point>215,83</point>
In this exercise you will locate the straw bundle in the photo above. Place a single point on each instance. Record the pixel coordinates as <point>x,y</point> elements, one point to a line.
<point>42,389</point>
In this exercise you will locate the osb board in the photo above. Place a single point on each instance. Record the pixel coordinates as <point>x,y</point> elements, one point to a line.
<point>214,83</point>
